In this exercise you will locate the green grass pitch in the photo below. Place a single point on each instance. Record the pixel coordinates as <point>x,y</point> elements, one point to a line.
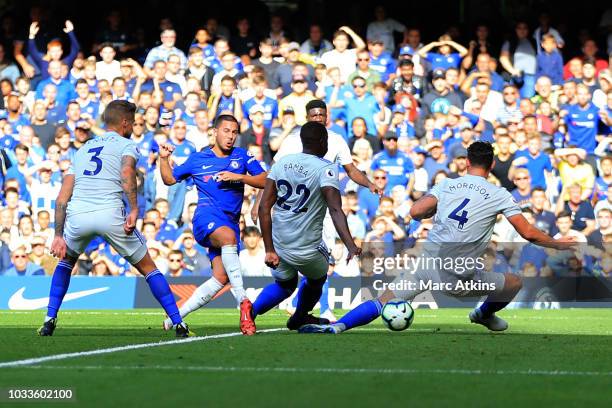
<point>547,358</point>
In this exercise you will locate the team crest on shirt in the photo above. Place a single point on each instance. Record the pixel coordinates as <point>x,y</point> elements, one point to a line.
<point>169,88</point>
<point>234,164</point>
<point>590,116</point>
<point>249,154</point>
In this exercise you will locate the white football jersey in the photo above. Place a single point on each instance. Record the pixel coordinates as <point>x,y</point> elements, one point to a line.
<point>297,219</point>
<point>466,215</point>
<point>97,173</point>
<point>337,150</point>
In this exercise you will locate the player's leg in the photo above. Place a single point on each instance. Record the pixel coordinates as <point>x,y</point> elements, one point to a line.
<point>226,238</point>
<point>497,300</point>
<point>369,310</point>
<point>309,293</point>
<point>205,292</point>
<point>59,286</point>
<point>77,234</point>
<point>134,249</point>
<point>285,282</point>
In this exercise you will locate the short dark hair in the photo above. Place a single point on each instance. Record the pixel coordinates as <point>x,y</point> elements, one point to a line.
<point>118,110</point>
<point>564,214</point>
<point>406,63</point>
<point>252,231</point>
<point>225,118</point>
<point>312,132</point>
<point>537,189</point>
<point>480,154</point>
<point>314,104</point>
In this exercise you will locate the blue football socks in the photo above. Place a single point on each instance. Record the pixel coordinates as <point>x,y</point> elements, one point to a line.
<point>272,295</point>
<point>361,315</point>
<point>59,287</point>
<point>161,290</point>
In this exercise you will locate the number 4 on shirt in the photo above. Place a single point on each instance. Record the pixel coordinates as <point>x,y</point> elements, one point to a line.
<point>463,217</point>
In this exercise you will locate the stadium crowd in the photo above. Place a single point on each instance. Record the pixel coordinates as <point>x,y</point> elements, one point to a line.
<point>407,111</point>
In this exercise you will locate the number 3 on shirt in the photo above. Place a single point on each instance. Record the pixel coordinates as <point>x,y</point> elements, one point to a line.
<point>463,217</point>
<point>96,159</point>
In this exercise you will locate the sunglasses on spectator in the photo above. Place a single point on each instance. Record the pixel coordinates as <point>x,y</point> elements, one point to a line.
<point>19,256</point>
<point>380,177</point>
<point>363,59</point>
<point>139,124</point>
<point>359,85</point>
<point>509,93</point>
<point>174,260</point>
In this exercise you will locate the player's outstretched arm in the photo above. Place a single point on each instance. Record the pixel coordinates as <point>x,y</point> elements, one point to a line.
<point>360,178</point>
<point>58,247</point>
<point>425,207</point>
<point>334,203</point>
<point>534,235</point>
<point>165,151</point>
<point>265,221</point>
<point>258,181</point>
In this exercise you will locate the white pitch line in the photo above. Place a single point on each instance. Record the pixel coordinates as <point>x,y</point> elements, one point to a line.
<point>334,370</point>
<point>38,360</point>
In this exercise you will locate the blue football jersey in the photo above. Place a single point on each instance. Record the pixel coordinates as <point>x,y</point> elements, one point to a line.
<point>202,167</point>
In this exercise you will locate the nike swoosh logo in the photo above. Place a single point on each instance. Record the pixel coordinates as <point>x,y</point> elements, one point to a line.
<point>18,302</point>
<point>206,167</point>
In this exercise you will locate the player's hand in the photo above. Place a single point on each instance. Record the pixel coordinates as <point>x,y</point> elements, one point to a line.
<point>34,28</point>
<point>566,243</point>
<point>375,190</point>
<point>272,260</point>
<point>355,251</point>
<point>228,176</point>
<point>58,247</point>
<point>130,222</point>
<point>165,150</point>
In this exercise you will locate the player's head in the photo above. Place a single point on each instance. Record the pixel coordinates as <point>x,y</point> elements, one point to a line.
<point>119,116</point>
<point>314,138</point>
<point>226,129</point>
<point>316,111</point>
<point>480,156</point>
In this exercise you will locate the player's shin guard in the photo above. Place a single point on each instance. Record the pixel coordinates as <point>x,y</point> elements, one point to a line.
<point>361,315</point>
<point>161,290</point>
<point>231,263</point>
<point>308,295</point>
<point>59,287</point>
<point>272,295</point>
<point>201,296</point>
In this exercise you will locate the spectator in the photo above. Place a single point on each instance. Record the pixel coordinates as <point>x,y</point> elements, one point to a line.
<point>341,56</point>
<point>384,28</point>
<point>522,192</point>
<point>7,68</point>
<point>176,266</point>
<point>194,257</point>
<point>253,254</point>
<point>573,170</point>
<point>534,160</point>
<point>580,210</point>
<point>257,133</point>
<point>549,60</point>
<point>364,70</point>
<point>64,89</point>
<point>40,256</point>
<point>21,265</point>
<point>396,164</point>
<point>54,49</point>
<point>564,225</point>
<point>360,131</point>
<point>296,101</point>
<point>163,51</point>
<point>518,57</point>
<point>315,45</point>
<point>544,219</point>
<point>244,43</point>
<point>444,58</point>
<point>604,227</point>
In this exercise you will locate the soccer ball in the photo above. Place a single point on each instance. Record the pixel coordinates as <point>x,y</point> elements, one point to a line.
<point>397,315</point>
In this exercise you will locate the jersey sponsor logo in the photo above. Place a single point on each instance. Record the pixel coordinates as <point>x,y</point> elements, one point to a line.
<point>19,302</point>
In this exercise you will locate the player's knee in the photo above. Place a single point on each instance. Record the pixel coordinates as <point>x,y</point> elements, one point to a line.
<point>316,283</point>
<point>513,283</point>
<point>288,285</point>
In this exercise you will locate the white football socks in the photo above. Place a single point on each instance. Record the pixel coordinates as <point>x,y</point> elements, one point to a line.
<point>201,296</point>
<point>231,263</point>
